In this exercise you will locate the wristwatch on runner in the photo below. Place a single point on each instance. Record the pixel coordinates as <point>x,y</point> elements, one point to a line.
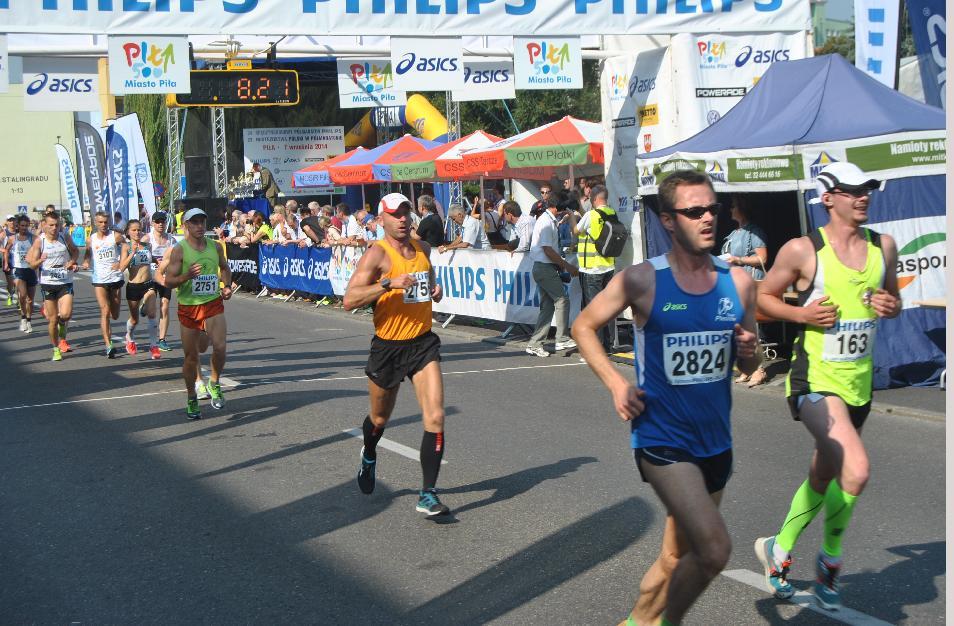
<point>386,284</point>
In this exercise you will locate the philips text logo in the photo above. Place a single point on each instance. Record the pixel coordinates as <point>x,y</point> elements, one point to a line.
<point>675,306</point>
<point>425,64</point>
<point>59,85</point>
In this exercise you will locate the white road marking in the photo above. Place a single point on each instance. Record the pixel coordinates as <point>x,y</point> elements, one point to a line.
<point>228,382</point>
<point>807,600</point>
<point>393,446</point>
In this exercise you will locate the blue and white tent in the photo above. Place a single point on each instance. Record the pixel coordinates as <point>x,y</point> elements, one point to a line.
<point>805,114</point>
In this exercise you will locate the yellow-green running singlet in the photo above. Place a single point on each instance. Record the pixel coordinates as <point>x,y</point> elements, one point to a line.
<point>204,287</point>
<point>838,360</point>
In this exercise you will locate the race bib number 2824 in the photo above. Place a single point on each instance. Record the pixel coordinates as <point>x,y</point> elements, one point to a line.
<point>694,358</point>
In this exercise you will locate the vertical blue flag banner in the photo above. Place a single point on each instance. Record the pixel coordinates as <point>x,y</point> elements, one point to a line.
<point>71,193</point>
<point>876,39</point>
<point>91,163</point>
<point>929,27</point>
<point>290,267</point>
<point>122,187</point>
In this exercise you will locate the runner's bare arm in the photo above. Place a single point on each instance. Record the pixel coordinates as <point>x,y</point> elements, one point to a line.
<point>746,335</point>
<point>88,254</point>
<point>173,274</point>
<point>789,268</point>
<point>6,253</point>
<point>225,273</point>
<point>74,254</point>
<point>33,258</point>
<point>125,256</point>
<point>887,301</point>
<point>623,291</point>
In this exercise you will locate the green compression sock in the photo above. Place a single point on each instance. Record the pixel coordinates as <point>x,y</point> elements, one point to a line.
<point>839,505</point>
<point>806,503</point>
<point>665,622</point>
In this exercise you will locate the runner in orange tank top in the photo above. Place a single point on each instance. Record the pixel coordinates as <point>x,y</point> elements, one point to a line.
<point>395,275</point>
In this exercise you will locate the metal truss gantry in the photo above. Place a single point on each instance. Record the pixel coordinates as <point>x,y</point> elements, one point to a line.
<point>452,112</point>
<point>219,152</point>
<point>174,157</point>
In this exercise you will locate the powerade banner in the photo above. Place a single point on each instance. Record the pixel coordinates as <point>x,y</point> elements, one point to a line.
<point>92,167</point>
<point>492,285</point>
<point>71,194</point>
<point>291,267</point>
<point>929,27</point>
<point>119,175</point>
<point>244,265</point>
<point>357,17</point>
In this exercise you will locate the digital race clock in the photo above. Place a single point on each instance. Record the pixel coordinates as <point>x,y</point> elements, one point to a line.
<point>240,88</point>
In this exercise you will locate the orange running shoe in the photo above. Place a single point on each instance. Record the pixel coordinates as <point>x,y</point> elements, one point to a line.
<point>131,347</point>
<point>65,347</point>
<point>154,353</point>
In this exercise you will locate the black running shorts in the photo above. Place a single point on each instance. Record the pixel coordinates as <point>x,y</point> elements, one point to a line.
<point>55,292</point>
<point>716,470</point>
<point>136,291</point>
<point>115,286</point>
<point>858,414</point>
<point>162,292</point>
<point>26,275</point>
<point>390,362</point>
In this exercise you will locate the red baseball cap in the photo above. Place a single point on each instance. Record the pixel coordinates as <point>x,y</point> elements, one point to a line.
<point>392,202</point>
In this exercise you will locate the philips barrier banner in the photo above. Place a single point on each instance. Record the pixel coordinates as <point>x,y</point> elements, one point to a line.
<point>71,194</point>
<point>432,64</point>
<point>286,150</point>
<point>350,17</point>
<point>929,28</point>
<point>58,84</point>
<point>4,65</point>
<point>713,72</point>
<point>487,80</point>
<point>876,39</point>
<point>119,174</point>
<point>548,62</point>
<point>148,64</point>
<point>244,265</point>
<point>291,267</point>
<point>366,83</point>
<point>92,167</point>
<point>492,285</point>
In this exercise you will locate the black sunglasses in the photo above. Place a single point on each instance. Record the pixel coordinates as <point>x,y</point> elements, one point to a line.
<point>696,212</point>
<point>854,193</point>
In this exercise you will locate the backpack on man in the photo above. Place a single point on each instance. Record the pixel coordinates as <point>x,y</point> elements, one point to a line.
<point>612,238</point>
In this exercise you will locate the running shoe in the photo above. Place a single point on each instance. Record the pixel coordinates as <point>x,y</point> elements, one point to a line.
<point>154,353</point>
<point>215,392</point>
<point>65,347</point>
<point>429,504</point>
<point>366,474</point>
<point>569,344</point>
<point>201,391</point>
<point>776,572</point>
<point>22,324</point>
<point>110,351</point>
<point>164,346</point>
<point>29,327</point>
<point>57,355</point>
<point>537,351</point>
<point>131,347</point>
<point>192,409</point>
<point>826,583</point>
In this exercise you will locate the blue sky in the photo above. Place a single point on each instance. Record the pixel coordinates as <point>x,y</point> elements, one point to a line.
<point>840,9</point>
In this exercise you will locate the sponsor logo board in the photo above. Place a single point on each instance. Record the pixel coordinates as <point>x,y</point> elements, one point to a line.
<point>548,62</point>
<point>149,65</point>
<point>57,84</point>
<point>433,64</point>
<point>367,83</point>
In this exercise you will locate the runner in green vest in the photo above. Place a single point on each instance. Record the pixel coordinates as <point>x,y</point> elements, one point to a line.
<point>846,279</point>
<point>595,271</point>
<point>196,267</point>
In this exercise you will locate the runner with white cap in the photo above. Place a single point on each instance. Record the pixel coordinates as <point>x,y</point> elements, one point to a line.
<point>846,279</point>
<point>195,267</point>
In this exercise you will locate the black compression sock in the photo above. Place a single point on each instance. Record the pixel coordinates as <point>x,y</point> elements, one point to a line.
<point>432,451</point>
<point>372,435</point>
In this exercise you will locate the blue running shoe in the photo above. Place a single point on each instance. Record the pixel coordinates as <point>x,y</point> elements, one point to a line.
<point>776,572</point>
<point>164,346</point>
<point>429,504</point>
<point>110,352</point>
<point>366,474</point>
<point>826,583</point>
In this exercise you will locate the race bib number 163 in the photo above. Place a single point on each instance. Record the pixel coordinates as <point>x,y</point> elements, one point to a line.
<point>694,358</point>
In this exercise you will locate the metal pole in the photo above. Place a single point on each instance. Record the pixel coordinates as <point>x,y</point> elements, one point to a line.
<point>59,177</point>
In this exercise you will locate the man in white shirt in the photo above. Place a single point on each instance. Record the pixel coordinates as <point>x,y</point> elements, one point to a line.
<point>472,235</point>
<point>521,226</point>
<point>547,264</point>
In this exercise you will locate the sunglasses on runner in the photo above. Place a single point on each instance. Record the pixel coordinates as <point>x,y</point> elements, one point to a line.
<point>860,192</point>
<point>696,212</point>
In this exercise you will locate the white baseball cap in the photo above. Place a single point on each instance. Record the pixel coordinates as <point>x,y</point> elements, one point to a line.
<point>845,176</point>
<point>193,213</point>
<point>392,202</point>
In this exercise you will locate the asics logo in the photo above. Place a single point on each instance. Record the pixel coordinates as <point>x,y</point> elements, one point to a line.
<point>675,306</point>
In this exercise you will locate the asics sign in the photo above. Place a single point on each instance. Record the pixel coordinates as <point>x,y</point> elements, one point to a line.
<point>427,64</point>
<point>60,84</point>
<point>424,64</point>
<point>748,53</point>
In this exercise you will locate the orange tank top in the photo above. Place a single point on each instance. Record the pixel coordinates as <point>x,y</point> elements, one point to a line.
<point>402,314</point>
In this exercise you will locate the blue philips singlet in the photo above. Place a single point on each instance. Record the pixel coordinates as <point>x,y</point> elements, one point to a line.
<point>684,358</point>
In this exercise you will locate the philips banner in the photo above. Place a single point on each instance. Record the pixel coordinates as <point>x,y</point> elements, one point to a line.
<point>293,268</point>
<point>929,27</point>
<point>244,265</point>
<point>71,194</point>
<point>449,19</point>
<point>492,285</point>
<point>92,167</point>
<point>119,175</point>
